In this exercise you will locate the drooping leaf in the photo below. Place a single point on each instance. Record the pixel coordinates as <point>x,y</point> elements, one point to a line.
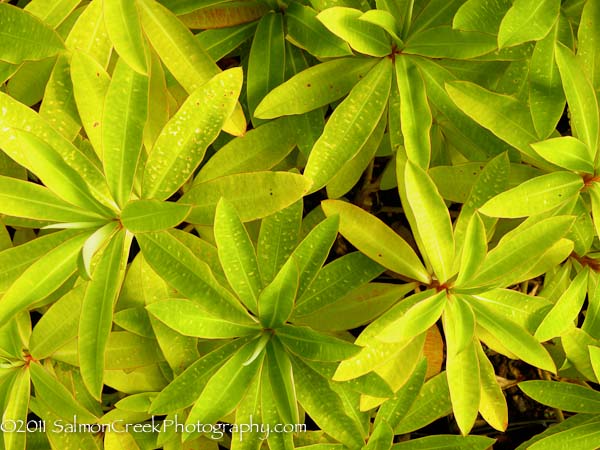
<point>527,20</point>
<point>15,410</point>
<point>492,404</point>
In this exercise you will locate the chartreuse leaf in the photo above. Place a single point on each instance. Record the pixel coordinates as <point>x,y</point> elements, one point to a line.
<point>527,20</point>
<point>588,42</point>
<point>304,30</point>
<point>237,255</point>
<point>97,310</point>
<point>565,310</point>
<point>376,240</point>
<point>124,117</point>
<point>384,20</point>
<point>432,220</point>
<point>191,319</point>
<point>446,442</point>
<point>180,147</point>
<point>276,301</point>
<point>192,277</point>
<point>277,239</point>
<point>481,15</point>
<point>187,387</point>
<point>505,116</point>
<point>465,396</point>
<point>595,197</point>
<point>364,37</point>
<point>565,396</point>
<point>25,37</point>
<point>225,388</point>
<point>350,125</point>
<point>225,14</point>
<point>474,249</point>
<point>281,377</point>
<point>534,196</point>
<point>512,336</point>
<point>595,359</point>
<point>311,344</point>
<point>89,35</point>
<point>123,26</point>
<point>314,87</point>
<point>57,397</point>
<point>254,194</point>
<point>417,319</point>
<point>567,152</point>
<point>575,435</point>
<point>182,54</point>
<point>415,115</point>
<point>459,325</point>
<point>15,410</point>
<point>445,42</point>
<point>324,405</point>
<point>266,62</point>
<point>220,42</point>
<point>33,201</point>
<point>581,97</point>
<point>52,14</point>
<point>492,404</point>
<point>92,245</point>
<point>42,278</point>
<point>248,411</point>
<point>140,216</point>
<point>90,84</point>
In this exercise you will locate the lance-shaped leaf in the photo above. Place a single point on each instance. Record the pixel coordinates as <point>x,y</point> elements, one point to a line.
<point>481,15</point>
<point>459,325</point>
<point>565,310</point>
<point>276,301</point>
<point>474,249</point>
<point>281,377</point>
<point>124,117</point>
<point>565,396</point>
<point>432,219</point>
<point>94,243</point>
<point>123,26</point>
<point>350,125</point>
<point>42,278</point>
<point>417,319</point>
<point>527,20</point>
<point>140,216</point>
<point>190,319</point>
<point>90,84</point>
<point>567,152</point>
<point>219,42</point>
<point>254,195</point>
<point>237,255</point>
<point>53,14</point>
<point>588,42</point>
<point>180,147</point>
<point>534,196</point>
<point>492,404</point>
<point>220,14</point>
<point>595,198</point>
<point>465,397</point>
<point>447,442</point>
<point>57,397</point>
<point>415,115</point>
<point>505,116</point>
<point>32,201</point>
<point>581,97</point>
<point>368,234</point>
<point>192,277</point>
<point>314,87</point>
<point>225,388</point>
<point>445,42</point>
<point>512,336</point>
<point>97,310</point>
<point>324,405</point>
<point>364,37</point>
<point>25,37</point>
<point>311,344</point>
<point>15,410</point>
<point>89,35</point>
<point>384,20</point>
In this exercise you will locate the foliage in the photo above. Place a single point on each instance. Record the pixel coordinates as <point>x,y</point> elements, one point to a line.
<point>265,212</point>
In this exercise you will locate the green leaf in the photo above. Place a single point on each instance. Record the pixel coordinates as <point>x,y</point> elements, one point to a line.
<point>492,404</point>
<point>266,61</point>
<point>534,196</point>
<point>53,14</point>
<point>314,87</point>
<point>581,98</point>
<point>24,37</point>
<point>254,195</point>
<point>42,278</point>
<point>364,37</point>
<point>567,152</point>
<point>313,345</point>
<point>595,198</point>
<point>583,436</point>
<point>459,325</point>
<point>384,20</point>
<point>527,20</point>
<point>415,115</point>
<point>465,397</point>
<point>96,241</point>
<point>474,249</point>
<point>181,145</point>
<point>561,395</point>
<point>281,378</point>
<point>237,255</point>
<point>417,319</point>
<point>97,310</point>
<point>481,15</point>
<point>123,26</point>
<point>16,407</point>
<point>588,42</point>
<point>191,319</point>
<point>350,125</point>
<point>276,301</point>
<point>446,442</point>
<point>565,310</point>
<point>432,220</point>
<point>140,216</point>
<point>435,13</point>
<point>445,42</point>
<point>218,43</point>
<point>368,234</point>
<point>89,35</point>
